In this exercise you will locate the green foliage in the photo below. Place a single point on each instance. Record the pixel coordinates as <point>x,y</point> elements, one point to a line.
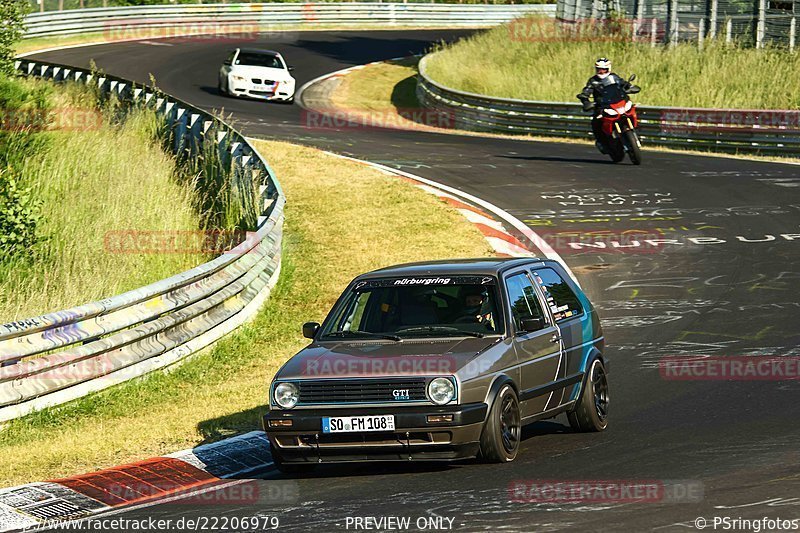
<point>20,215</point>
<point>12,15</point>
<point>536,59</point>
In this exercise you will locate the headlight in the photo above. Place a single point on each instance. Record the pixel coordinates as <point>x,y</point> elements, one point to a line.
<point>238,78</point>
<point>610,111</point>
<point>286,395</point>
<point>441,391</point>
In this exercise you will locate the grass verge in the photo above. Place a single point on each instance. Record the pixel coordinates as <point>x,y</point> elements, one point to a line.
<point>91,174</point>
<point>383,87</point>
<point>374,220</point>
<point>532,59</point>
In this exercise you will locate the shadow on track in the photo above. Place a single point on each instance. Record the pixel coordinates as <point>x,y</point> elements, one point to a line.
<point>597,161</point>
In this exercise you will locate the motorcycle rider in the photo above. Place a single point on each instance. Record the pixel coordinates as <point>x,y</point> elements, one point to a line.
<point>594,88</point>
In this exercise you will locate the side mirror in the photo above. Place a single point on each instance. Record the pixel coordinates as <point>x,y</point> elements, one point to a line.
<point>528,325</point>
<point>227,63</point>
<point>290,69</point>
<point>310,329</point>
<point>633,77</point>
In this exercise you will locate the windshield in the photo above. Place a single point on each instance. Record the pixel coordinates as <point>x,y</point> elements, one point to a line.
<point>259,60</point>
<point>611,94</point>
<point>417,307</point>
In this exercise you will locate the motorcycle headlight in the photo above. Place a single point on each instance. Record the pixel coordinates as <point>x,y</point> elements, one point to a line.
<point>628,105</point>
<point>286,395</point>
<point>609,111</point>
<point>441,391</point>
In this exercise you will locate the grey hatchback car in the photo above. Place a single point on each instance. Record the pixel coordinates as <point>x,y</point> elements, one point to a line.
<point>440,360</point>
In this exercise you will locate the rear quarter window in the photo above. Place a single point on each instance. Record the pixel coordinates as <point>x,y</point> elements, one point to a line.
<point>561,299</point>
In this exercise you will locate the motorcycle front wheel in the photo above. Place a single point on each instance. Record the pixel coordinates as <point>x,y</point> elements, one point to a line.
<point>616,150</point>
<point>634,151</point>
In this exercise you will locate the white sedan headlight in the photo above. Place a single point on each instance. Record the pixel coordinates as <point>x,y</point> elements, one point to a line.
<point>441,391</point>
<point>286,395</point>
<point>238,78</point>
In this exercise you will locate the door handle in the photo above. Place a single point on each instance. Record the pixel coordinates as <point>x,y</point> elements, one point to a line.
<point>555,338</point>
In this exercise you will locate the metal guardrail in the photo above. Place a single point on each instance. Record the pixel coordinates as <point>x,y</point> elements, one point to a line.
<point>53,358</point>
<point>721,130</point>
<point>148,21</point>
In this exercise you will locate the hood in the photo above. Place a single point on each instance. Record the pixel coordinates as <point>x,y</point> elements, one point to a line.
<point>379,359</point>
<point>267,73</point>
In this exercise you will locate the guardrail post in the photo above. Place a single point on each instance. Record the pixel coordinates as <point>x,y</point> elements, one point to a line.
<point>179,132</point>
<point>653,32</point>
<point>195,134</point>
<point>712,27</point>
<point>792,33</point>
<point>761,24</point>
<point>729,31</point>
<point>701,33</point>
<point>673,22</point>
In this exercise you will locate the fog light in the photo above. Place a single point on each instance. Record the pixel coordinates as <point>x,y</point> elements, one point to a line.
<point>434,419</point>
<point>287,423</point>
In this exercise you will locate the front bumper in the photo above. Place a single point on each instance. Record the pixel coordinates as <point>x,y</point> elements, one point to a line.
<point>413,438</point>
<point>284,91</point>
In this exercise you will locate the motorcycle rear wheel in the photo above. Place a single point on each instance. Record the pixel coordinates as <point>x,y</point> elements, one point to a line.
<point>634,151</point>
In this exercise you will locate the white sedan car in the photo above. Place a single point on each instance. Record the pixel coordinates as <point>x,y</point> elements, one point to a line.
<point>261,74</point>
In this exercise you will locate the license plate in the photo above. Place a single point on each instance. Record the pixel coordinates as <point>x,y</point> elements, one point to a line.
<point>351,424</point>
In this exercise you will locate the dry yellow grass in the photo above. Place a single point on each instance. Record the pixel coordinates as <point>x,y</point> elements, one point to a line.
<point>342,218</point>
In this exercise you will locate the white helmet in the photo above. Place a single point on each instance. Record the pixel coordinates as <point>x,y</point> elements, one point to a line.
<point>602,67</point>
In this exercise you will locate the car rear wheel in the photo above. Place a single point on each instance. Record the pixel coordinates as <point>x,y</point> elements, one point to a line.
<point>502,431</point>
<point>591,411</point>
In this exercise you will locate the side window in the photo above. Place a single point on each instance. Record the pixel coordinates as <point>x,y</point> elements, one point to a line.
<point>522,297</point>
<point>562,300</point>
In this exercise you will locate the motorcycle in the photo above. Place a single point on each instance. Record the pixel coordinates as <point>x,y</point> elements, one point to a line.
<point>619,122</point>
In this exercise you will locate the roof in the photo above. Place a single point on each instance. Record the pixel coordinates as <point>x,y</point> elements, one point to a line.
<point>453,267</point>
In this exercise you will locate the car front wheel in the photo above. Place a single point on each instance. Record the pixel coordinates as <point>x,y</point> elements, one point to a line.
<point>502,431</point>
<point>591,411</point>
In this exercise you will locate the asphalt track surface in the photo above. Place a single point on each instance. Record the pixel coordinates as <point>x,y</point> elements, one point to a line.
<point>739,440</point>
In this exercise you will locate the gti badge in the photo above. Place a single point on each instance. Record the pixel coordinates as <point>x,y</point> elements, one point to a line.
<point>401,394</point>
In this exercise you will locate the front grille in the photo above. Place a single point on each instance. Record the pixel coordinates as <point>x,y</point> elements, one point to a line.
<point>343,391</point>
<point>257,81</point>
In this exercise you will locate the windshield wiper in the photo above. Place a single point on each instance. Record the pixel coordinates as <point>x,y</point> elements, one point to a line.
<point>442,328</point>
<point>347,332</point>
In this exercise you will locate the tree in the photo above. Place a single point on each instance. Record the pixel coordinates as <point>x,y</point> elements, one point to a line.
<point>12,14</point>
